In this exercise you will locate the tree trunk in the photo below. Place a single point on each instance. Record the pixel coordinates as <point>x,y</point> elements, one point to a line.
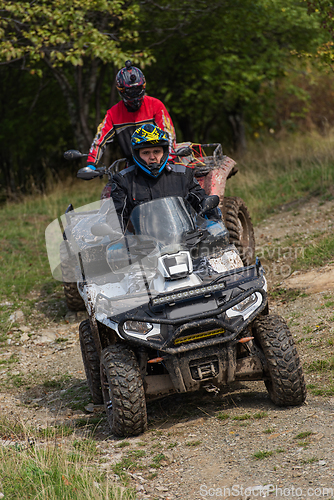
<point>78,97</point>
<point>239,134</point>
<point>186,128</point>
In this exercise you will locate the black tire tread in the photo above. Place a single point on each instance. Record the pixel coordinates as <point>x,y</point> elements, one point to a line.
<point>128,416</point>
<point>91,361</point>
<point>286,386</point>
<point>232,207</point>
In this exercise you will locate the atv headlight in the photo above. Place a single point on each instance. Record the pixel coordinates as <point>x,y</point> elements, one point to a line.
<point>140,327</point>
<point>204,290</point>
<point>246,306</point>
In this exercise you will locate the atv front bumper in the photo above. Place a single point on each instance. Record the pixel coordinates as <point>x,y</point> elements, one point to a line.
<point>180,329</point>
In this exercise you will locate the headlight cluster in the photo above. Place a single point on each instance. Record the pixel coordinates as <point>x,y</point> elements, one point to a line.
<point>167,299</point>
<point>246,306</point>
<point>138,327</point>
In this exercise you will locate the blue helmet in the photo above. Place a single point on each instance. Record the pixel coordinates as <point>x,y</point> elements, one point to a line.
<point>148,136</point>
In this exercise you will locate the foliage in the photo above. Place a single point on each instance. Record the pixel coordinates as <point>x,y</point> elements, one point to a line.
<point>219,67</point>
<point>324,11</point>
<point>64,31</point>
<point>33,128</point>
<point>223,59</point>
<point>75,40</point>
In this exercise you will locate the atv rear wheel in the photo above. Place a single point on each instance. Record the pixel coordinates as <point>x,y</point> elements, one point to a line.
<point>123,391</point>
<point>91,361</point>
<point>72,296</point>
<point>286,384</point>
<point>239,224</point>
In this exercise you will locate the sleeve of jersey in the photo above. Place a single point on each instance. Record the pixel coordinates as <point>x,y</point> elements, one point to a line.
<point>164,121</point>
<point>104,135</point>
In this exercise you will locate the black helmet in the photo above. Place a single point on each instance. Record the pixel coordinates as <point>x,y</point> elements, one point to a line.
<point>131,83</point>
<point>148,136</point>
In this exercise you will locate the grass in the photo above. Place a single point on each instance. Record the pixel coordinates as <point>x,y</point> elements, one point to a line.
<point>321,391</point>
<point>12,359</point>
<point>260,455</point>
<point>51,473</point>
<point>286,295</point>
<point>193,443</point>
<point>172,445</point>
<point>222,416</point>
<point>259,415</point>
<point>246,416</point>
<point>157,459</point>
<point>278,173</point>
<point>123,444</point>
<point>40,467</point>
<point>310,460</point>
<point>129,463</point>
<point>321,365</point>
<point>318,254</point>
<point>303,435</point>
<point>24,262</point>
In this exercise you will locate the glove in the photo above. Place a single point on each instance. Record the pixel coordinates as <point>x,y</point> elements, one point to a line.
<point>90,165</point>
<point>214,213</point>
<point>208,204</point>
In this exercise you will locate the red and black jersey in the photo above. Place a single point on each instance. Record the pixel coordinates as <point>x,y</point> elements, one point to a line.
<point>122,123</point>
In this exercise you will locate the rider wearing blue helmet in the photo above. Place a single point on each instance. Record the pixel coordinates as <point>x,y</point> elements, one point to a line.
<point>150,149</point>
<point>151,176</point>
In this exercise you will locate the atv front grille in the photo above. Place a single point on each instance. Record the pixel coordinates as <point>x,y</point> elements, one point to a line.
<point>198,336</point>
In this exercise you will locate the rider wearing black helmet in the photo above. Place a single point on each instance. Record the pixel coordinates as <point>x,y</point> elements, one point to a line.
<point>131,83</point>
<point>134,109</point>
<point>151,176</point>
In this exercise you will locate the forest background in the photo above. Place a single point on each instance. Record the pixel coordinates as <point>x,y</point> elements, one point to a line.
<point>229,71</point>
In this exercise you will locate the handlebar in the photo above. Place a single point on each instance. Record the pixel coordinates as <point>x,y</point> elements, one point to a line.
<point>87,173</point>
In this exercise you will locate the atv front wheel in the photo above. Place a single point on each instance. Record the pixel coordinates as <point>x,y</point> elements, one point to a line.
<point>286,384</point>
<point>72,296</point>
<point>123,391</point>
<point>240,227</point>
<point>91,361</point>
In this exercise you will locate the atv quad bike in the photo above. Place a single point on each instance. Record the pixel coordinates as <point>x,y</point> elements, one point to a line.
<point>172,309</point>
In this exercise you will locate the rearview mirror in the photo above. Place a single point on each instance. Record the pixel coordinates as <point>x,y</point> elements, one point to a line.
<point>209,203</point>
<point>73,154</point>
<point>87,173</point>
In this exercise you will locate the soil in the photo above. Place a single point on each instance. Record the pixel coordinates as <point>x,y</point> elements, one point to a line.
<point>233,444</point>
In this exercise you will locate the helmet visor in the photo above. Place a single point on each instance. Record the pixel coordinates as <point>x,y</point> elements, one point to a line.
<point>132,92</point>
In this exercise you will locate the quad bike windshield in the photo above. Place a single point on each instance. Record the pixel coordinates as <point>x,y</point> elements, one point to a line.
<point>167,220</point>
<point>118,272</point>
<point>174,225</point>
